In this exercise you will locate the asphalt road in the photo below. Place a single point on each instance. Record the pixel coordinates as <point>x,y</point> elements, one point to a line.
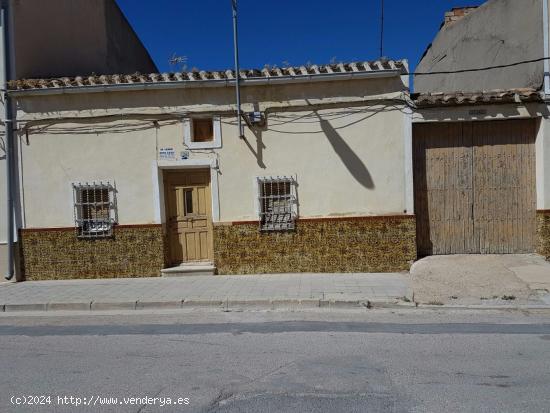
<point>356,361</point>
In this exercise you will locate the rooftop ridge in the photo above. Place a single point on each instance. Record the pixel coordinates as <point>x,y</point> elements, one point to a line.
<point>221,75</point>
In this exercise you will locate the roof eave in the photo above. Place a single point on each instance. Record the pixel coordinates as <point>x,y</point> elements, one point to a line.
<point>183,84</point>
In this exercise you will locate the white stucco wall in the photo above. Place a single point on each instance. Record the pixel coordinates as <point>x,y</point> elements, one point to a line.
<point>349,158</point>
<point>543,164</point>
<point>345,163</point>
<point>51,162</point>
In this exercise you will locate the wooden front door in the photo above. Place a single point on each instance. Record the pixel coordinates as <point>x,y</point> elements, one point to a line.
<point>188,216</point>
<point>475,187</point>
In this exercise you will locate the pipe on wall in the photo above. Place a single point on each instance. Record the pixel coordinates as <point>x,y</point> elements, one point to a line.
<point>8,125</point>
<point>237,69</point>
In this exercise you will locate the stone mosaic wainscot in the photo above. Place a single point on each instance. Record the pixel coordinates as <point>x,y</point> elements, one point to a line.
<point>133,251</point>
<point>362,244</point>
<point>543,233</point>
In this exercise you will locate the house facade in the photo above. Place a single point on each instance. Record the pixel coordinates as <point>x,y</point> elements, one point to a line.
<point>339,168</point>
<point>481,173</point>
<point>480,133</point>
<point>62,38</point>
<point>130,175</point>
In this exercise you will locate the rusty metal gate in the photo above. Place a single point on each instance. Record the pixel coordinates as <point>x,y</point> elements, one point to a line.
<point>474,187</point>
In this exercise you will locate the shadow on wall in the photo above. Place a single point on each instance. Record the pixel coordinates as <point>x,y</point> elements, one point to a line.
<point>352,162</point>
<point>260,146</point>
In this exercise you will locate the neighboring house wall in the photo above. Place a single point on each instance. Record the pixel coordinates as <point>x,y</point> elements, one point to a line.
<point>56,38</point>
<point>498,112</point>
<point>543,187</point>
<point>498,32</point>
<point>345,142</point>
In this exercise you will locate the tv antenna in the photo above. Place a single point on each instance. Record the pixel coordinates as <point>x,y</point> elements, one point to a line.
<point>176,60</point>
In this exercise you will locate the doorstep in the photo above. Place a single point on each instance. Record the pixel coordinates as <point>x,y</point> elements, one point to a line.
<point>190,269</point>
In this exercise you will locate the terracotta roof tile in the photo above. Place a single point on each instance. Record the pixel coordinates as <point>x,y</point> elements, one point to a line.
<point>471,98</point>
<point>267,72</point>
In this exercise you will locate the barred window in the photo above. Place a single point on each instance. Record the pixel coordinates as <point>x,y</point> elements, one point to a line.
<point>95,209</point>
<point>277,199</point>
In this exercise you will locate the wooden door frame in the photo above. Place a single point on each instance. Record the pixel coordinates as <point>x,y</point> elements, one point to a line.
<point>536,123</point>
<point>160,167</point>
<point>158,184</point>
<point>178,178</point>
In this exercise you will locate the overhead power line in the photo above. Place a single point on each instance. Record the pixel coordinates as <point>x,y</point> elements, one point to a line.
<point>481,69</point>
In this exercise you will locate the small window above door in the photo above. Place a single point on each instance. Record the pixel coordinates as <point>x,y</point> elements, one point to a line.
<point>202,132</point>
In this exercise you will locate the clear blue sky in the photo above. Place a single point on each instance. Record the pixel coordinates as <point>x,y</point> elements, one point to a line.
<point>273,32</point>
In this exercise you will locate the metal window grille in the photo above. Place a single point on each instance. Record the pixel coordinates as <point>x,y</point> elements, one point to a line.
<point>277,196</point>
<point>95,209</point>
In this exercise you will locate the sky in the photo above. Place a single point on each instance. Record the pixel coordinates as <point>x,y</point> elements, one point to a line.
<point>284,32</point>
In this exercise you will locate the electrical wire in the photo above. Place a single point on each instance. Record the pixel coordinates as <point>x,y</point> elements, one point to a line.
<point>481,69</point>
<point>90,125</point>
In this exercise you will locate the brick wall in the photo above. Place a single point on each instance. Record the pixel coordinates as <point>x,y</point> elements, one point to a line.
<point>457,14</point>
<point>368,244</point>
<point>133,251</point>
<point>543,233</point>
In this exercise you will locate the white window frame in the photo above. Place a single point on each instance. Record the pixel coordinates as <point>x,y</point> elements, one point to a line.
<point>216,142</point>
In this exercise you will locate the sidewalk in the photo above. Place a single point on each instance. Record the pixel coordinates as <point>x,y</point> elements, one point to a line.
<point>482,280</point>
<point>224,292</point>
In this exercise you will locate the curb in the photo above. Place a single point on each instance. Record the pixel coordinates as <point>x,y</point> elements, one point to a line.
<point>226,305</point>
<point>267,304</point>
<point>395,304</point>
<point>282,303</point>
<point>485,307</point>
<point>8,308</point>
<point>115,305</point>
<point>201,303</point>
<point>166,305</point>
<point>84,306</point>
